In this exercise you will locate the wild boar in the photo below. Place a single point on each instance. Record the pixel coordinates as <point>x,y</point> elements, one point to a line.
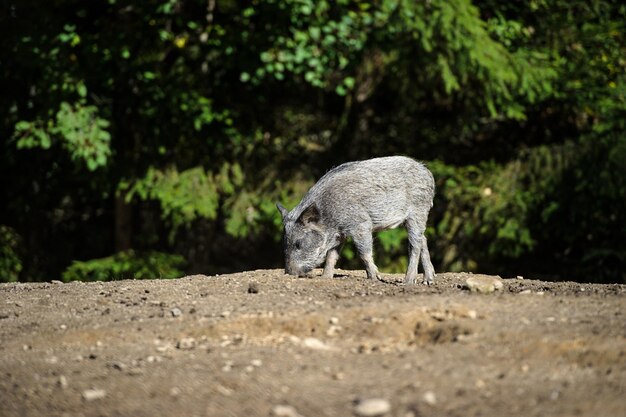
<point>354,200</point>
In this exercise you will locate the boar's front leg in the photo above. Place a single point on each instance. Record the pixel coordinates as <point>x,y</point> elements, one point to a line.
<point>331,260</point>
<point>364,245</point>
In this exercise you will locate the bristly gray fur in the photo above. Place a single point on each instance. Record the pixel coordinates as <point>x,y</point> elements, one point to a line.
<point>353,200</point>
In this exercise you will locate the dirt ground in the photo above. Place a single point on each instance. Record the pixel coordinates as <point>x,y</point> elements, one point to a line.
<point>262,343</point>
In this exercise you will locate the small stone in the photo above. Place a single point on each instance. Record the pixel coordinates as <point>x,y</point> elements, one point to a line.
<point>430,398</point>
<point>333,330</point>
<point>116,365</point>
<point>63,327</point>
<point>256,363</point>
<point>226,392</point>
<point>285,411</point>
<point>372,407</point>
<point>483,284</point>
<point>62,382</point>
<point>186,343</point>
<point>472,314</point>
<point>333,320</point>
<point>520,277</point>
<point>175,391</point>
<point>313,343</point>
<point>176,312</point>
<point>52,360</point>
<point>94,394</point>
<point>228,366</point>
<point>339,376</point>
<point>225,314</point>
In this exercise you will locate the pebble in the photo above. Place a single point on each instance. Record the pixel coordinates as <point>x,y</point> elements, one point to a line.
<point>430,398</point>
<point>313,343</point>
<point>228,366</point>
<point>339,376</point>
<point>154,359</point>
<point>186,343</point>
<point>63,382</point>
<point>555,395</point>
<point>116,365</point>
<point>256,362</point>
<point>94,394</point>
<point>176,312</point>
<point>333,330</point>
<point>285,411</point>
<point>227,392</point>
<point>483,284</point>
<point>253,288</point>
<point>372,407</point>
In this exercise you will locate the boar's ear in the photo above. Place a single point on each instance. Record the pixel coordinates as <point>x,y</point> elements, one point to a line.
<point>283,211</point>
<point>310,215</point>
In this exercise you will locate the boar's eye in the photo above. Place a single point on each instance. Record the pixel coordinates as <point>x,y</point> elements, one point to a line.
<point>298,244</point>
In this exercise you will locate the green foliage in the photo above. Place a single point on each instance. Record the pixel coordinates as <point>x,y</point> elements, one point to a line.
<point>79,129</point>
<point>492,205</point>
<point>10,261</point>
<point>190,194</point>
<point>183,196</point>
<point>126,265</point>
<point>393,250</point>
<point>204,114</point>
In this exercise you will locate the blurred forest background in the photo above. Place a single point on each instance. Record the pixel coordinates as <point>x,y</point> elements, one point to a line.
<point>152,138</point>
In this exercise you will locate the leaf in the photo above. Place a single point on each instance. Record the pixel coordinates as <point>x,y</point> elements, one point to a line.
<point>82,90</point>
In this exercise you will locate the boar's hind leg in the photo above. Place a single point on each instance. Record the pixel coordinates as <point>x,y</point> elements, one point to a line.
<point>429,271</point>
<point>364,242</point>
<point>418,249</point>
<point>331,260</point>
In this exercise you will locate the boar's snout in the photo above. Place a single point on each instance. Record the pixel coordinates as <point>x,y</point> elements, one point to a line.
<point>293,269</point>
